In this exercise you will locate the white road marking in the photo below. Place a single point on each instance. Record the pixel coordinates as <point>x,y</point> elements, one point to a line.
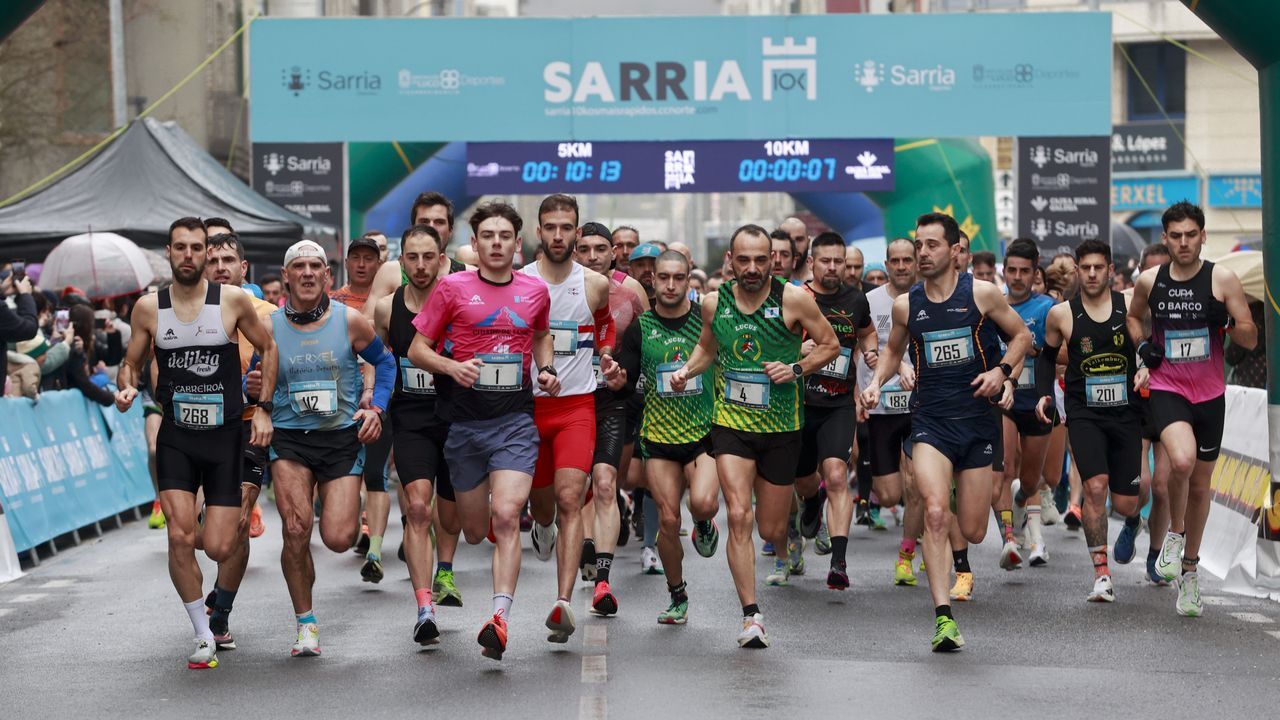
<point>1273,633</point>
<point>594,669</point>
<point>1218,600</point>
<point>28,597</point>
<point>5,611</point>
<point>593,707</point>
<point>1252,617</point>
<point>59,583</point>
<point>596,635</point>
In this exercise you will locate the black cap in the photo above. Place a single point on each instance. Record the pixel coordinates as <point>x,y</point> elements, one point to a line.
<point>364,242</point>
<point>595,228</point>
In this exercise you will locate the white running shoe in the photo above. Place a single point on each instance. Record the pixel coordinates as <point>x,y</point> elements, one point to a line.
<point>1049,514</point>
<point>1039,556</point>
<point>205,656</point>
<point>543,538</point>
<point>1103,590</point>
<point>1010,557</point>
<point>560,622</point>
<point>649,564</point>
<point>1019,512</point>
<point>752,635</point>
<point>1169,561</point>
<point>1188,585</point>
<point>308,644</point>
<point>781,573</point>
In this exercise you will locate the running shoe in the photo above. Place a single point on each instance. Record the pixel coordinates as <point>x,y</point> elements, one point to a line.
<point>156,521</point>
<point>752,635</point>
<point>308,644</point>
<point>1188,585</point>
<point>862,514</point>
<point>766,549</point>
<point>876,522</point>
<point>902,572</point>
<point>808,526</point>
<point>1072,518</point>
<point>1039,556</point>
<point>676,614</point>
<point>445,592</point>
<point>795,553</point>
<point>1103,590</point>
<point>1010,557</point>
<point>946,636</point>
<point>603,603</point>
<point>1126,546</point>
<point>780,575</point>
<point>1153,575</point>
<point>822,542</point>
<point>425,631</point>
<point>362,543</point>
<point>493,637</point>
<point>371,572</point>
<point>560,622</point>
<point>588,563</point>
<point>205,657</point>
<point>1170,559</point>
<point>1019,511</point>
<point>962,591</point>
<point>837,578</point>
<point>706,537</point>
<point>1049,514</point>
<point>256,526</point>
<point>649,564</point>
<point>543,538</point>
<point>222,637</point>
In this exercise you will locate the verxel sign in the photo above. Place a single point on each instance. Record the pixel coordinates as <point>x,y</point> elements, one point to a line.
<point>698,78</point>
<point>672,166</point>
<point>1064,191</point>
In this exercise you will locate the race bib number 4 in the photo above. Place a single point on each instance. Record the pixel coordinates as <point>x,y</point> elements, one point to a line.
<point>1106,391</point>
<point>750,390</point>
<point>894,400</point>
<point>838,368</point>
<point>414,380</point>
<point>664,371</point>
<point>197,412</point>
<point>564,337</point>
<point>1186,346</point>
<point>501,372</point>
<point>319,397</point>
<point>948,347</point>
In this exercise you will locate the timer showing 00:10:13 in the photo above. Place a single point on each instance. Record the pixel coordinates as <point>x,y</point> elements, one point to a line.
<point>543,171</point>
<point>786,169</point>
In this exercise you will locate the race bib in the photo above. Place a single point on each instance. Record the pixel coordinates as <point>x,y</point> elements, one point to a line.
<point>564,337</point>
<point>317,397</point>
<point>1027,378</point>
<point>1104,391</point>
<point>1186,346</point>
<point>894,400</point>
<point>692,387</point>
<point>948,347</point>
<point>750,390</point>
<point>595,368</point>
<point>197,412</point>
<point>501,372</point>
<point>838,368</point>
<point>414,380</point>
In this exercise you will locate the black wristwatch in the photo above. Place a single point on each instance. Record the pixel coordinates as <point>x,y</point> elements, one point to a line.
<point>1007,368</point>
<point>548,369</point>
<point>795,368</point>
<point>267,405</point>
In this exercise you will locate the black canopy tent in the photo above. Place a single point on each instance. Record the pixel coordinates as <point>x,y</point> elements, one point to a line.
<point>141,182</point>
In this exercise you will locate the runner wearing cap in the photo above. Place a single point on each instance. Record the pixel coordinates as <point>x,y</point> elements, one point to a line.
<point>321,429</point>
<point>496,326</point>
<point>642,264</point>
<point>191,327</point>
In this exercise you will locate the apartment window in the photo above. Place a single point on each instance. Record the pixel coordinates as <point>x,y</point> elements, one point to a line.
<point>1164,67</point>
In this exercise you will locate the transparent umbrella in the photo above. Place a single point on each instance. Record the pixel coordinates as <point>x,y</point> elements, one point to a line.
<point>101,264</point>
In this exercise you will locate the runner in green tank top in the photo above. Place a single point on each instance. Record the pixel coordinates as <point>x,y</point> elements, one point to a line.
<point>751,332</point>
<point>677,424</point>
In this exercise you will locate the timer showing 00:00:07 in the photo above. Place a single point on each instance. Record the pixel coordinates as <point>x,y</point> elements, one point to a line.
<point>542,171</point>
<point>786,169</point>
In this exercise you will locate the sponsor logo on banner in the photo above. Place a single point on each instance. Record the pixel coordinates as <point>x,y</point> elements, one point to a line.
<point>298,80</point>
<point>867,169</point>
<point>871,75</point>
<point>449,81</point>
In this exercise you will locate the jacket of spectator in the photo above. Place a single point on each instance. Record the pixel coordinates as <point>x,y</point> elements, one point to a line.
<point>19,324</point>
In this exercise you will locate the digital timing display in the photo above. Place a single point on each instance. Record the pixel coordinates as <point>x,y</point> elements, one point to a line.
<point>696,166</point>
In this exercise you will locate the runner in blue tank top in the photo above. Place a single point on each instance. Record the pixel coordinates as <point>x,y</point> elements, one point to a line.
<point>948,319</point>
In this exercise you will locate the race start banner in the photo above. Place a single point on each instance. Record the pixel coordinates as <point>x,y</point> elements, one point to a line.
<point>692,78</point>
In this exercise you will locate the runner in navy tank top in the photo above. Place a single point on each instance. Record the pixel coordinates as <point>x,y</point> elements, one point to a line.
<point>950,320</point>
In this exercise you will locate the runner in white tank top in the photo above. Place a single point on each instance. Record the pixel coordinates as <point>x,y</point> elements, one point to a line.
<point>573,331</point>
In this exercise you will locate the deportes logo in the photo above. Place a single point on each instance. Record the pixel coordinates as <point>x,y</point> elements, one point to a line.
<point>449,81</point>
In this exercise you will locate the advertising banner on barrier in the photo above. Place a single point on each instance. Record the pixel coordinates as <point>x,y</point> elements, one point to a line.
<point>61,468</point>
<point>695,78</point>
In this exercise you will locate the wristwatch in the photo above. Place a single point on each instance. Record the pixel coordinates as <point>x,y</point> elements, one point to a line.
<point>267,405</point>
<point>795,368</point>
<point>548,369</point>
<point>1007,368</point>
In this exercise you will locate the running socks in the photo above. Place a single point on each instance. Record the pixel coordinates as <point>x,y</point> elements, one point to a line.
<point>1099,556</point>
<point>222,601</point>
<point>1133,522</point>
<point>812,507</point>
<point>442,565</point>
<point>650,520</point>
<point>424,598</point>
<point>307,618</point>
<point>943,611</point>
<point>908,545</point>
<point>1189,564</point>
<point>839,545</point>
<point>961,560</point>
<point>199,620</point>
<point>604,561</point>
<point>502,604</point>
<point>749,610</point>
<point>1034,526</point>
<point>375,547</point>
<point>680,593</point>
<point>1005,518</point>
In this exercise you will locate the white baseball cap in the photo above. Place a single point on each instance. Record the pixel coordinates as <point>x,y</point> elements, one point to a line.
<point>304,249</point>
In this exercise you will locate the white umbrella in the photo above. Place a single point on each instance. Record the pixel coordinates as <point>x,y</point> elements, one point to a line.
<point>102,264</point>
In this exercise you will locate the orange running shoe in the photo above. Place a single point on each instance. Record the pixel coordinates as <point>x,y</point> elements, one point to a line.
<point>493,637</point>
<point>256,526</point>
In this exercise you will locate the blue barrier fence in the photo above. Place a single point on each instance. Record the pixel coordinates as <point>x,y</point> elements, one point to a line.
<point>66,463</point>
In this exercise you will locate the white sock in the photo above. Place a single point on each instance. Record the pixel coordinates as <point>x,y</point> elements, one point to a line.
<point>502,604</point>
<point>199,620</point>
<point>1033,525</point>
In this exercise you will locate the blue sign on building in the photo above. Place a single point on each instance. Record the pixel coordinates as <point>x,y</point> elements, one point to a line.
<point>1147,192</point>
<point>1235,191</point>
<point>699,78</point>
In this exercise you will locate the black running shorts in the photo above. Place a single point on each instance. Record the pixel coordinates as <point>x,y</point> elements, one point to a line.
<point>887,434</point>
<point>828,432</point>
<point>420,456</point>
<point>1108,447</point>
<point>328,454</point>
<point>774,453</point>
<point>611,429</point>
<point>682,453</point>
<point>190,459</point>
<point>1206,419</point>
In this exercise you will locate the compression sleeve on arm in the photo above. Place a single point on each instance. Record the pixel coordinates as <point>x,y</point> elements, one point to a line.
<point>384,366</point>
<point>1046,370</point>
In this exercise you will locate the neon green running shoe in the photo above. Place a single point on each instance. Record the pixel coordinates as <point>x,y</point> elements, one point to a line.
<point>156,521</point>
<point>946,636</point>
<point>902,572</point>
<point>444,591</point>
<point>677,614</point>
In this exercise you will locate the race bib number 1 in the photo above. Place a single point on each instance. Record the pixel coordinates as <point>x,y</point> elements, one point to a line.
<point>750,390</point>
<point>948,347</point>
<point>501,372</point>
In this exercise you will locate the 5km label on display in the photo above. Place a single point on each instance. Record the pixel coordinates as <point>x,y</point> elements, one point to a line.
<point>672,166</point>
